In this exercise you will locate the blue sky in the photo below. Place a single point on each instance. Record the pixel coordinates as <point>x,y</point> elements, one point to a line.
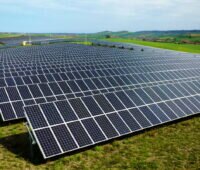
<point>98,15</point>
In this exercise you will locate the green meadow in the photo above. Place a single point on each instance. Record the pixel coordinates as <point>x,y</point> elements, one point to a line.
<point>171,46</point>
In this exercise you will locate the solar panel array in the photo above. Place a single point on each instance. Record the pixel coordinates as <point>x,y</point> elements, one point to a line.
<point>114,44</point>
<point>19,39</point>
<point>34,40</point>
<point>75,95</point>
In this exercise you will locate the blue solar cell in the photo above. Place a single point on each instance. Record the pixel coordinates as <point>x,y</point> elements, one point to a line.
<point>160,93</point>
<point>34,79</point>
<point>10,81</point>
<point>130,121</point>
<point>92,106</point>
<point>56,77</point>
<point>13,93</point>
<point>45,89</point>
<point>183,107</point>
<point>82,85</point>
<point>27,80</point>
<point>73,86</point>
<point>18,107</point>
<point>55,88</point>
<point>18,81</point>
<point>65,88</point>
<point>195,102</point>
<point>48,142</point>
<point>125,99</point>
<point>3,96</point>
<point>118,123</point>
<point>66,111</point>
<point>54,118</point>
<point>106,126</point>
<point>42,79</point>
<point>105,82</point>
<point>35,91</point>
<point>142,120</point>
<point>143,96</point>
<point>152,94</point>
<point>103,103</point>
<point>167,111</point>
<point>64,138</point>
<point>150,115</point>
<point>159,113</point>
<point>80,135</point>
<point>93,130</point>
<point>175,108</point>
<point>190,105</point>
<point>90,84</point>
<point>2,83</point>
<point>24,92</point>
<point>79,108</point>
<point>98,83</point>
<point>116,103</point>
<point>7,111</point>
<point>35,116</point>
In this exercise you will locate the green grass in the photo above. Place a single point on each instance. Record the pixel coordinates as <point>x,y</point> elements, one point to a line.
<point>178,47</point>
<point>84,43</point>
<point>9,35</point>
<point>174,146</point>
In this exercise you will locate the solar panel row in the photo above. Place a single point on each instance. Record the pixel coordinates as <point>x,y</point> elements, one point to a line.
<point>103,71</point>
<point>33,39</point>
<point>78,52</point>
<point>13,99</point>
<point>68,125</point>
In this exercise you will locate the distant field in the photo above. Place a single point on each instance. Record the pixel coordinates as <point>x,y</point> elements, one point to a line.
<point>173,146</point>
<point>178,47</point>
<point>84,43</point>
<point>195,35</point>
<point>18,35</point>
<point>9,35</point>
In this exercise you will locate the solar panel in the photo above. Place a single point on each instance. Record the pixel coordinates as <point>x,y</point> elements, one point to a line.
<point>75,96</point>
<point>85,127</point>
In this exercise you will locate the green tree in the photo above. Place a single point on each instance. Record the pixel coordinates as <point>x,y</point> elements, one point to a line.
<point>108,36</point>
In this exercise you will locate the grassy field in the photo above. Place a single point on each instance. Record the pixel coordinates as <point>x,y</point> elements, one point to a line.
<point>178,47</point>
<point>84,43</point>
<point>9,35</point>
<point>174,146</point>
